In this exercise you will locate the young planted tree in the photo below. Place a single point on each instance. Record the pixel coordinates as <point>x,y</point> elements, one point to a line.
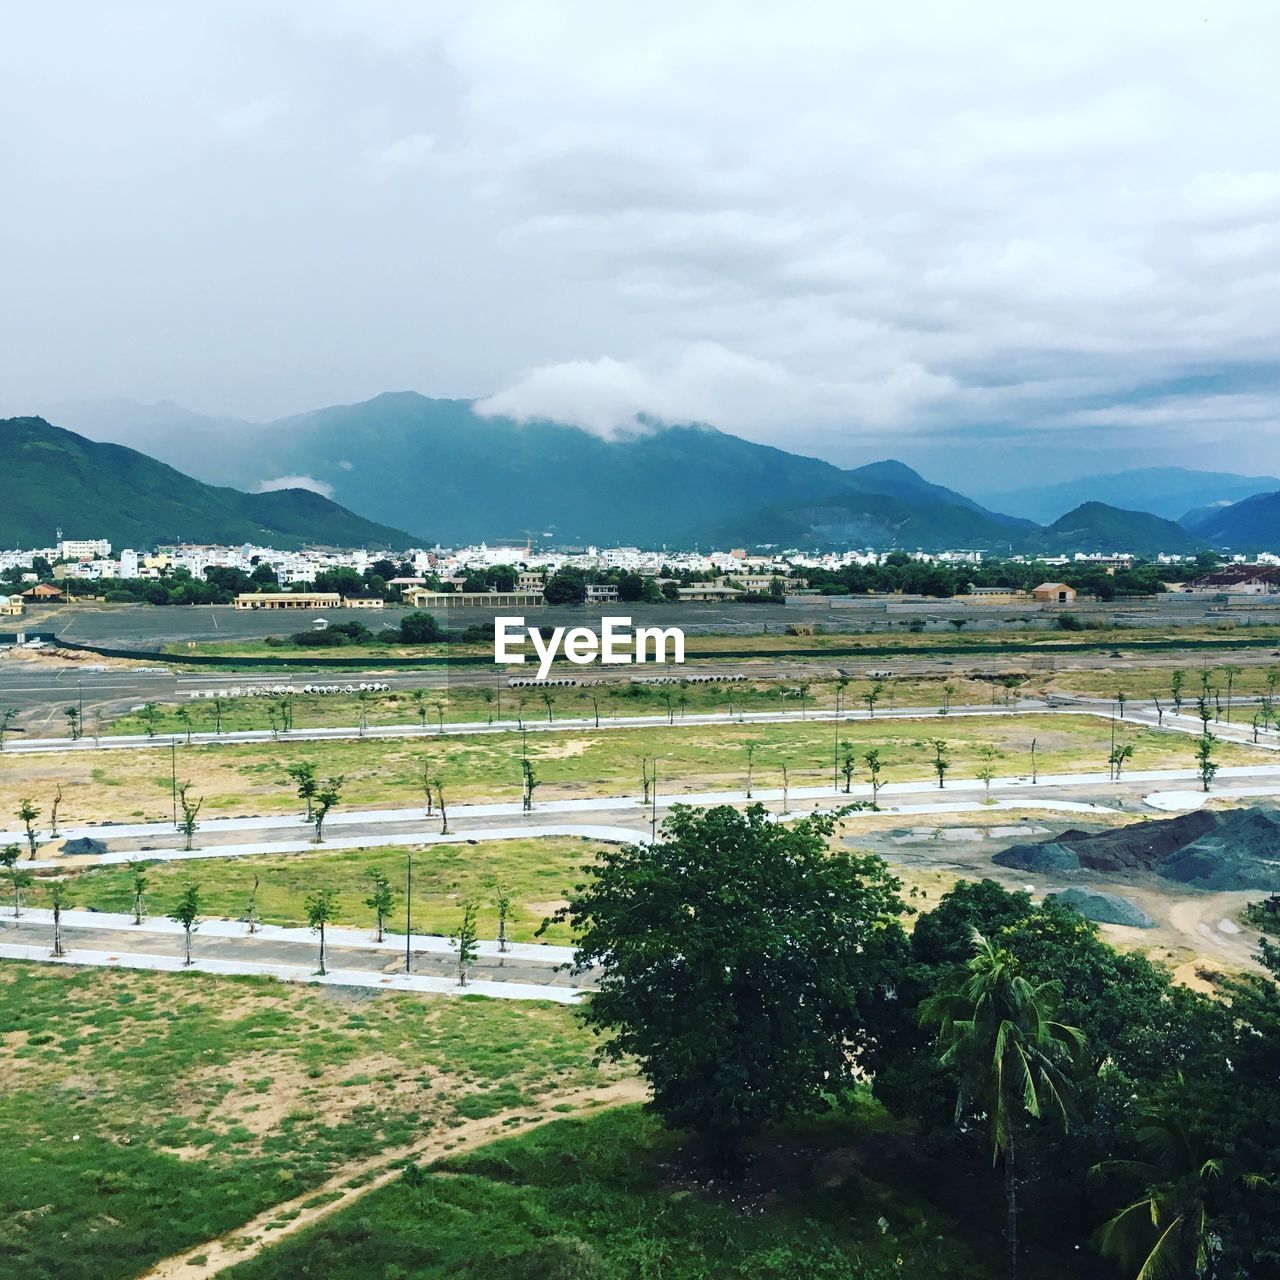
<point>303,776</point>
<point>786,792</point>
<point>531,782</point>
<point>872,760</point>
<point>444,813</point>
<point>872,696</point>
<point>139,895</point>
<point>502,901</point>
<point>948,691</point>
<point>28,815</point>
<point>381,901</point>
<point>986,768</point>
<point>362,711</point>
<point>1231,673</point>
<point>150,716</point>
<point>941,761</point>
<point>1121,752</point>
<point>847,766</point>
<point>53,811</point>
<point>1035,770</point>
<point>322,911</point>
<point>98,725</point>
<point>183,717</point>
<point>1204,711</point>
<point>326,798</point>
<point>694,963</point>
<point>189,822</point>
<point>428,788</point>
<point>802,692</point>
<point>1159,712</point>
<point>73,722</point>
<point>7,717</point>
<point>219,707</point>
<point>440,705</point>
<point>58,903</point>
<point>1176,682</point>
<point>1205,765</point>
<point>466,942</point>
<point>253,921</point>
<point>647,782</point>
<point>187,914</point>
<point>9,856</point>
<point>751,757</point>
<point>1121,698</point>
<point>997,1031</point>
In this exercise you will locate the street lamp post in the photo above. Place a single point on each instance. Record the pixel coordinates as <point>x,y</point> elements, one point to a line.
<point>653,811</point>
<point>173,778</point>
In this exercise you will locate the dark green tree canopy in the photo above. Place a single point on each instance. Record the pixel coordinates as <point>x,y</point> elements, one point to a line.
<point>741,959</point>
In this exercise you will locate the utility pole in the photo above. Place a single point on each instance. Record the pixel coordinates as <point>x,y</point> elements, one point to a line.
<point>80,695</point>
<point>408,914</point>
<point>835,759</point>
<point>173,778</point>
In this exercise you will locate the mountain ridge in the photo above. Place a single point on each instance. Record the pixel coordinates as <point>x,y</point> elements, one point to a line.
<point>54,478</point>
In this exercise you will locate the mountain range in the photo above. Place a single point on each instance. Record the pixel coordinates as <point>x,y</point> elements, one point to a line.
<point>453,475</point>
<point>1175,493</point>
<point>52,478</point>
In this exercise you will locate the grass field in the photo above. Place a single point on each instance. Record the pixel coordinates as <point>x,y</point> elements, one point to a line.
<point>142,1114</point>
<point>248,779</point>
<point>533,873</point>
<point>614,1196</point>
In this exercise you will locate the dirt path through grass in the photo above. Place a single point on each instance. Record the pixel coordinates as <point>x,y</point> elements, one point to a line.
<point>273,1225</point>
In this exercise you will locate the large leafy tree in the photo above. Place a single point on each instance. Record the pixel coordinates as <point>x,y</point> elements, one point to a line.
<point>1013,1059</point>
<point>740,961</point>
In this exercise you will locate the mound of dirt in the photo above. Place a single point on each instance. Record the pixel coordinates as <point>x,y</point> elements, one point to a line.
<point>1235,849</point>
<point>1104,908</point>
<point>86,844</point>
<point>1243,852</point>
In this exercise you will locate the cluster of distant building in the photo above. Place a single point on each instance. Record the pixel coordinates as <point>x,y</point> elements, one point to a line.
<point>732,571</point>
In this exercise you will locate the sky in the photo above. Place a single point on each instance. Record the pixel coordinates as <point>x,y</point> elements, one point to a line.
<point>992,239</point>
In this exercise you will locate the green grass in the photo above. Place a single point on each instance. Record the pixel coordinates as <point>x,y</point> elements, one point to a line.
<point>250,778</point>
<point>142,1114</point>
<point>613,1196</point>
<point>534,873</point>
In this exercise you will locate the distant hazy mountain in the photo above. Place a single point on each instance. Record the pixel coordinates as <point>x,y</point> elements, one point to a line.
<point>1096,526</point>
<point>1253,524</point>
<point>1163,491</point>
<point>900,481</point>
<point>53,478</point>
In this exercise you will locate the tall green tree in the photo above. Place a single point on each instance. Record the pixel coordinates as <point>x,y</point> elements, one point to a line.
<point>1013,1059</point>
<point>737,957</point>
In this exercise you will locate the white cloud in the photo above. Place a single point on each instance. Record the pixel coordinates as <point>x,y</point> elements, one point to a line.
<point>818,223</point>
<point>295,482</point>
<point>404,155</point>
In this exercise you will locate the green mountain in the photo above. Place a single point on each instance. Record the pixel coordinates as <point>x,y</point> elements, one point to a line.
<point>1095,526</point>
<point>1250,525</point>
<point>459,476</point>
<point>52,478</point>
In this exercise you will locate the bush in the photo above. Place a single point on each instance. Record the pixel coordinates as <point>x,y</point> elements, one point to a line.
<point>419,628</point>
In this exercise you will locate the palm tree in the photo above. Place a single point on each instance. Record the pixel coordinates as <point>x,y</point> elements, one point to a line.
<point>1167,1232</point>
<point>996,1028</point>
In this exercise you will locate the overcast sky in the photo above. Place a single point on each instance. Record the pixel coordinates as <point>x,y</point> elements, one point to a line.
<point>982,237</point>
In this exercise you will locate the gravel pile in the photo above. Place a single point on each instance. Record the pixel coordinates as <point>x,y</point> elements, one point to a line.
<point>1235,849</point>
<point>86,844</point>
<point>1104,908</point>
